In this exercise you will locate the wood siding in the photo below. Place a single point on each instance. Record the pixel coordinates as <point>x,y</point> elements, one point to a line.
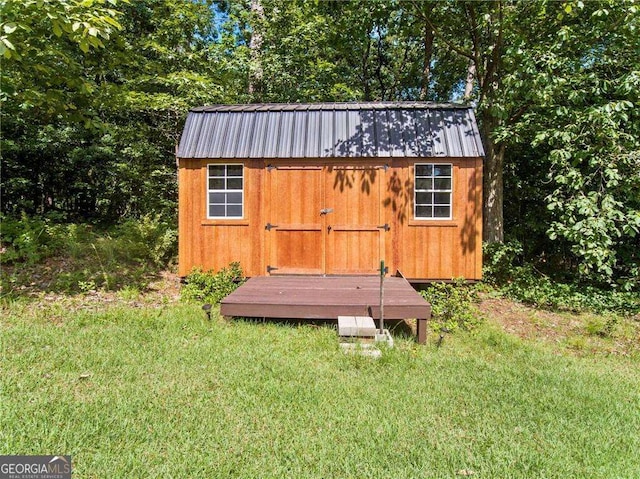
<point>350,238</point>
<point>437,249</point>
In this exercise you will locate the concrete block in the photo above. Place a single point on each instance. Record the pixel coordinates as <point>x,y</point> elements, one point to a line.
<point>360,326</point>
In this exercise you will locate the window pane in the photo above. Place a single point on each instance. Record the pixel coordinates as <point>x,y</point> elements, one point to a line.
<point>234,198</point>
<point>234,183</point>
<point>216,170</point>
<point>217,198</point>
<point>442,183</point>
<point>442,198</point>
<point>424,184</point>
<point>234,211</point>
<point>216,184</point>
<point>216,210</point>
<point>424,198</point>
<point>442,170</point>
<point>441,211</point>
<point>424,170</point>
<point>234,170</point>
<point>424,212</point>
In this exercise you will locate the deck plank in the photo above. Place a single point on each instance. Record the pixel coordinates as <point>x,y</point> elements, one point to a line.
<point>319,297</point>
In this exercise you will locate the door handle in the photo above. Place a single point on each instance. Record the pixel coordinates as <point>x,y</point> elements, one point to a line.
<point>325,211</point>
<point>329,229</point>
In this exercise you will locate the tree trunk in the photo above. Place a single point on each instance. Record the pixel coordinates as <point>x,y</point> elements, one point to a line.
<point>493,194</point>
<point>426,65</point>
<point>471,74</point>
<point>255,46</point>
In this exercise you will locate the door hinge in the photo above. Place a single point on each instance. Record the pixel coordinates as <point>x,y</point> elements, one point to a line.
<point>326,211</point>
<point>271,167</point>
<point>269,226</point>
<point>385,227</point>
<point>270,269</point>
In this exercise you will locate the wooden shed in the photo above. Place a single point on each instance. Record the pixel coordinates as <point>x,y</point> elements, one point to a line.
<point>331,189</point>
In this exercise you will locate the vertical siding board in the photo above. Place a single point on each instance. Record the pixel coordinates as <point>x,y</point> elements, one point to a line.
<point>478,217</point>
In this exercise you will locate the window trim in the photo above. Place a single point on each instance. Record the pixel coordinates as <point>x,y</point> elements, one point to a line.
<point>433,190</point>
<point>209,191</point>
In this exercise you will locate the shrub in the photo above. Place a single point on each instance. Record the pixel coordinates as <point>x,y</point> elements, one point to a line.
<point>452,306</point>
<point>500,260</point>
<point>210,287</point>
<point>516,279</point>
<point>84,257</point>
<point>28,239</point>
<point>149,238</point>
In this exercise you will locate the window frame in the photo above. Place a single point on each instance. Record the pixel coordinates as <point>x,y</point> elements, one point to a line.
<point>433,190</point>
<point>225,191</point>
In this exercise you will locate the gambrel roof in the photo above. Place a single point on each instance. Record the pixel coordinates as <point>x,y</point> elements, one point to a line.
<point>349,130</point>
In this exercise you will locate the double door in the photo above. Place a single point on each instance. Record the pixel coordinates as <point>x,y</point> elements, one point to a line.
<point>324,219</point>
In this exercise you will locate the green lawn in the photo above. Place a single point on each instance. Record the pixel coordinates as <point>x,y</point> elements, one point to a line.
<point>161,392</point>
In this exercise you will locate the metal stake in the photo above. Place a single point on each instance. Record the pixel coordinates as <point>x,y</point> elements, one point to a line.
<point>382,271</point>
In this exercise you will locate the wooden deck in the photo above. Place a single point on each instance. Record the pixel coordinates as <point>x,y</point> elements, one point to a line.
<point>327,297</point>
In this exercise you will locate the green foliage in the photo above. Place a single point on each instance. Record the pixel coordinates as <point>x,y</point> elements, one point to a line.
<point>96,141</point>
<point>452,306</point>
<point>505,269</point>
<point>574,146</point>
<point>603,326</point>
<point>29,239</point>
<point>149,239</point>
<point>210,287</point>
<point>80,258</point>
<point>94,95</point>
<point>43,43</point>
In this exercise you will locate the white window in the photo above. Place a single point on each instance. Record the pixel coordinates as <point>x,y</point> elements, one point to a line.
<point>432,191</point>
<point>225,191</point>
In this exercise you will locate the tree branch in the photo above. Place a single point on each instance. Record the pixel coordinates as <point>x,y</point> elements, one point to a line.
<point>436,33</point>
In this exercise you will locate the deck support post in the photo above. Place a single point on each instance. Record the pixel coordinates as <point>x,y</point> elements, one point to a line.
<point>421,333</point>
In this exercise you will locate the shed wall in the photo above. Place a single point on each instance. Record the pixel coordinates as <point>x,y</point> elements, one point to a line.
<point>420,249</point>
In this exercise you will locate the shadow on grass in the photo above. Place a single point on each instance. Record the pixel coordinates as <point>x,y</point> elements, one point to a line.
<point>398,328</point>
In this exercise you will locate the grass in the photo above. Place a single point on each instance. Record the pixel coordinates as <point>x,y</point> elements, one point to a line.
<point>158,391</point>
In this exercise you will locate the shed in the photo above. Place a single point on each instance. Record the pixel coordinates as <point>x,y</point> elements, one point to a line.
<point>331,189</point>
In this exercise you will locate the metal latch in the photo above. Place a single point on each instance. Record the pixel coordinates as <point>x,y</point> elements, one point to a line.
<point>325,211</point>
<point>269,226</point>
<point>270,269</point>
<point>385,227</point>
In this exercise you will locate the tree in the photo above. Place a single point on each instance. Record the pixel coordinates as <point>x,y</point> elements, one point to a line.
<point>43,43</point>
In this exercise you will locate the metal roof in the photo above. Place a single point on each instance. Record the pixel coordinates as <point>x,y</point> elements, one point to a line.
<point>352,130</point>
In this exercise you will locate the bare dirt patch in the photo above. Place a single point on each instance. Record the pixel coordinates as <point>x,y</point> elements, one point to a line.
<point>576,332</point>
